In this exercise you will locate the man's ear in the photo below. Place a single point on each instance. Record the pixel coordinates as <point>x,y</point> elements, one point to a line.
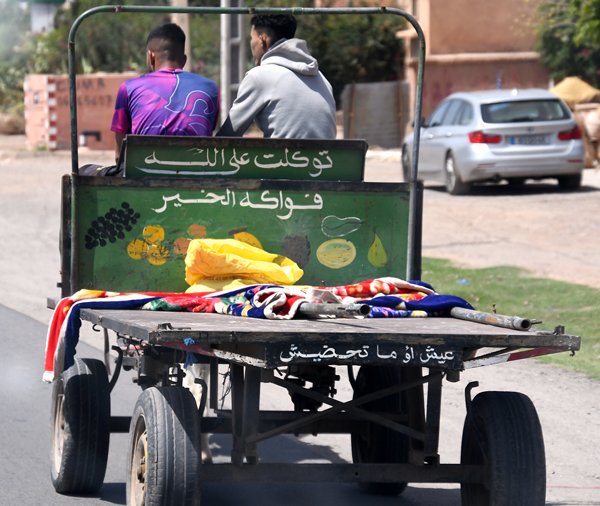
<point>265,40</point>
<point>183,61</point>
<point>151,59</point>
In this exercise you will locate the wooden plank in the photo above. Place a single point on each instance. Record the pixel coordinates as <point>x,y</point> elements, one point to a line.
<point>157,326</point>
<point>238,158</point>
<point>131,235</point>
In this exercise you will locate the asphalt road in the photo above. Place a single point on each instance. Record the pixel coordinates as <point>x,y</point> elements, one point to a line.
<point>29,218</point>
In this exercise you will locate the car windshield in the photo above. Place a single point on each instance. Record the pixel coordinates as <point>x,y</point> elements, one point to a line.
<point>516,111</point>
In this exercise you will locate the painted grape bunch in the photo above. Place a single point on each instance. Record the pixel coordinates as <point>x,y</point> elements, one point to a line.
<point>111,226</point>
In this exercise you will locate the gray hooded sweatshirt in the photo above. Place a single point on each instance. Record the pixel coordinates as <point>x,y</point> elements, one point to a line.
<point>286,95</point>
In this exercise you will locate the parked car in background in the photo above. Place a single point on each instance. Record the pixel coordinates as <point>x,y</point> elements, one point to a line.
<point>491,136</point>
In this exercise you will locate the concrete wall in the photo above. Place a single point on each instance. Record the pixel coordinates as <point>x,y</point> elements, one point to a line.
<point>47,115</point>
<point>376,112</point>
<point>473,45</point>
<point>445,77</point>
<point>480,26</point>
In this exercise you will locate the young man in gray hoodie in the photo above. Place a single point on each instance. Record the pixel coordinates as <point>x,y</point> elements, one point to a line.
<point>285,93</point>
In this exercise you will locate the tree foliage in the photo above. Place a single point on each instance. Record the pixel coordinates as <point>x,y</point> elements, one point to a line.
<point>14,24</point>
<point>569,38</point>
<point>351,48</point>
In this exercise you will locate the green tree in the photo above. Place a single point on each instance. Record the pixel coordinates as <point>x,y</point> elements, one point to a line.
<point>14,24</point>
<point>569,39</point>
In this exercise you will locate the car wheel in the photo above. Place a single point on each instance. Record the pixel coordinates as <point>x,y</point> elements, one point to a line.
<point>454,185</point>
<point>405,164</point>
<point>516,181</point>
<point>569,182</point>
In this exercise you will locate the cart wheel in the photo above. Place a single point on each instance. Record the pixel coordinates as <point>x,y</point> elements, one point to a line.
<point>502,431</point>
<point>373,443</point>
<point>164,451</point>
<point>80,427</point>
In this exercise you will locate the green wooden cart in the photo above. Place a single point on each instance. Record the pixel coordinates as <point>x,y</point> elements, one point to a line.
<point>306,200</point>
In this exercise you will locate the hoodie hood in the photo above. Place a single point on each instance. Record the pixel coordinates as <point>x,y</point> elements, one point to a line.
<point>292,54</point>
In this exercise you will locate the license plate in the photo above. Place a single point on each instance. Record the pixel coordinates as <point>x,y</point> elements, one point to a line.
<point>528,140</point>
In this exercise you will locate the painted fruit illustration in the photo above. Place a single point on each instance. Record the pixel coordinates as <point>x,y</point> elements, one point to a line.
<point>297,248</point>
<point>196,231</point>
<point>242,235</point>
<point>180,246</point>
<point>157,254</point>
<point>377,255</point>
<point>153,234</point>
<point>137,249</point>
<point>334,226</point>
<point>336,253</point>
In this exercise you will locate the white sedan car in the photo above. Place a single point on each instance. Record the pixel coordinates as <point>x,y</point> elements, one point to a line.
<point>489,136</point>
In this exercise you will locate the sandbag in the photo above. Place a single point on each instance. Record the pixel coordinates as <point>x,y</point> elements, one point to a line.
<point>573,91</point>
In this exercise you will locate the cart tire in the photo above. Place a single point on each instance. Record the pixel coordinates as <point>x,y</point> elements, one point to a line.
<point>164,449</point>
<point>80,428</point>
<point>373,443</point>
<point>502,431</point>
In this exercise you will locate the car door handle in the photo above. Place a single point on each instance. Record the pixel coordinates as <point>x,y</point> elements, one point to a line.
<point>448,134</point>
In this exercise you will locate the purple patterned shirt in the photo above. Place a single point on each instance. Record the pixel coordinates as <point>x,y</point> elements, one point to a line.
<point>167,102</point>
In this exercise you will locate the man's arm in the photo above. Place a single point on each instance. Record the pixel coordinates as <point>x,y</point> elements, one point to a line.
<point>249,102</point>
<point>119,140</point>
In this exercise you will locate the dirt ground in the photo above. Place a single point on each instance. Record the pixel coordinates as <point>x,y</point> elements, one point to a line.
<point>536,227</point>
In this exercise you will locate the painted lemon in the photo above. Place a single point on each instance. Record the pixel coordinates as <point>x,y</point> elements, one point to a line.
<point>137,249</point>
<point>157,254</point>
<point>336,253</point>
<point>248,238</point>
<point>153,234</point>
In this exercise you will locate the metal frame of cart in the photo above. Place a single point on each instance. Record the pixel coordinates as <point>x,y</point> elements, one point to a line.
<point>394,430</point>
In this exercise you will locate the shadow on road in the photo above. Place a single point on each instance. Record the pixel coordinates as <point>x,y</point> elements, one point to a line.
<point>508,190</point>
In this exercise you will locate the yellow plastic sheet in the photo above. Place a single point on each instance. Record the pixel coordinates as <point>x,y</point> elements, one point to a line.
<point>226,259</point>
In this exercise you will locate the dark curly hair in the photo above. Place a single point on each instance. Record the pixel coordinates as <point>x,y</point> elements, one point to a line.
<point>277,26</point>
<point>168,39</point>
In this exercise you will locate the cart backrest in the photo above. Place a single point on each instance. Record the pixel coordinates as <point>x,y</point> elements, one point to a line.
<point>302,199</point>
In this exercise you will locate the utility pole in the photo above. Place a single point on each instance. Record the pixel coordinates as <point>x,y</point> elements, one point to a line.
<point>183,20</point>
<point>233,54</point>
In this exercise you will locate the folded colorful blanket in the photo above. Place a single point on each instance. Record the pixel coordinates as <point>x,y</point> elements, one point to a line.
<point>387,297</point>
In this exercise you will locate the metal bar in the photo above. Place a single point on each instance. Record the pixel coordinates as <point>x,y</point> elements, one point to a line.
<point>494,359</point>
<point>432,423</point>
<point>331,472</point>
<point>349,406</point>
<point>338,310</point>
<point>415,202</point>
<point>237,408</point>
<point>116,9</point>
<point>214,384</point>
<point>498,320</point>
<point>251,411</point>
<point>66,227</point>
<point>120,424</point>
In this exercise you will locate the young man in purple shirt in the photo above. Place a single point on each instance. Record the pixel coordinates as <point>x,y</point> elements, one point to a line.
<point>168,100</point>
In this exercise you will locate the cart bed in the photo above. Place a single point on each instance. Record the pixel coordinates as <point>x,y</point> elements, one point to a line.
<point>447,343</point>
